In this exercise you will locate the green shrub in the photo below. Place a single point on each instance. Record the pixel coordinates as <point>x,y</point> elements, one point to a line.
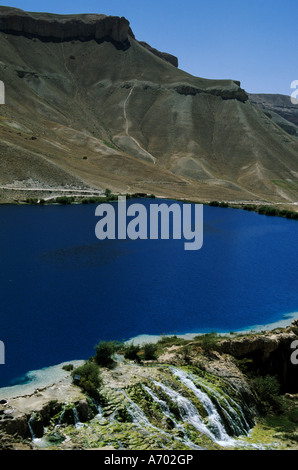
<point>150,351</point>
<point>68,367</point>
<point>105,351</point>
<point>131,352</point>
<point>88,378</point>
<point>32,200</point>
<point>64,200</point>
<point>266,388</point>
<point>208,341</point>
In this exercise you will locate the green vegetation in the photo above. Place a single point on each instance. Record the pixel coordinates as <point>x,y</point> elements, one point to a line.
<point>150,351</point>
<point>132,352</point>
<point>105,351</point>
<point>88,378</point>
<point>208,341</point>
<point>262,209</point>
<point>109,197</point>
<point>218,204</point>
<point>292,185</point>
<point>142,414</point>
<point>267,390</point>
<point>31,200</point>
<point>110,145</point>
<point>137,353</point>
<point>64,200</point>
<point>68,367</point>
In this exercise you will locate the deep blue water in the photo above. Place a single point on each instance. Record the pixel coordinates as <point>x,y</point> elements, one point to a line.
<point>62,290</point>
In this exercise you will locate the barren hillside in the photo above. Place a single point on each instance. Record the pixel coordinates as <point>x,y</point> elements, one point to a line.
<point>89,106</point>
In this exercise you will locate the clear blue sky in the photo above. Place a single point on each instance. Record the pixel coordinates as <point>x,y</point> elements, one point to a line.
<point>254,41</point>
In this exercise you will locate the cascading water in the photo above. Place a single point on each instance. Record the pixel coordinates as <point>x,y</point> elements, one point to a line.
<point>166,411</point>
<point>137,414</point>
<point>62,415</point>
<point>76,418</point>
<point>35,436</point>
<point>30,425</point>
<point>213,402</point>
<point>187,410</point>
<point>140,419</point>
<point>172,409</point>
<point>232,413</point>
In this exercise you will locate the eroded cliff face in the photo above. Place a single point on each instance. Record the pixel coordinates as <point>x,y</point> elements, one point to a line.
<point>277,104</point>
<point>83,27</point>
<point>50,27</point>
<point>269,353</point>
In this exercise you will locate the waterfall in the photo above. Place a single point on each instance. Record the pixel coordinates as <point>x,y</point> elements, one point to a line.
<point>140,419</point>
<point>232,413</point>
<point>77,422</point>
<point>232,409</point>
<point>99,409</point>
<point>61,415</point>
<point>182,409</point>
<point>39,428</point>
<point>187,410</point>
<point>166,411</point>
<point>137,414</point>
<point>30,422</point>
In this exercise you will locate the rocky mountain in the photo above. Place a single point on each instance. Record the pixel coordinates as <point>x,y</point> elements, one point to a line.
<point>88,106</point>
<point>278,104</point>
<point>280,109</point>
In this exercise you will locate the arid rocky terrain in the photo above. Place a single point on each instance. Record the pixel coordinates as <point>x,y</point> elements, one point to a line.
<point>88,106</point>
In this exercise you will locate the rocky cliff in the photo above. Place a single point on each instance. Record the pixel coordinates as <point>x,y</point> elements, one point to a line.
<point>50,27</point>
<point>269,353</point>
<point>277,104</point>
<point>84,27</point>
<point>90,107</point>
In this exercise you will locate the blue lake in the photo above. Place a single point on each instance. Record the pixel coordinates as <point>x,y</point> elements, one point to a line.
<point>62,290</point>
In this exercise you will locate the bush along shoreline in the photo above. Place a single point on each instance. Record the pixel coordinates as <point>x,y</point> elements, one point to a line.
<point>263,209</point>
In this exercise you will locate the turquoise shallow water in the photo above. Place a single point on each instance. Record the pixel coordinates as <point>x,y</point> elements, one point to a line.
<point>62,290</point>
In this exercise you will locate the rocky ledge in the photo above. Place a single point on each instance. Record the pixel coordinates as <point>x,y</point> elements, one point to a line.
<point>82,27</point>
<point>269,353</point>
<point>51,27</point>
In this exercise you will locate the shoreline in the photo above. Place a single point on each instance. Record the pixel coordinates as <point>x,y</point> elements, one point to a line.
<point>52,375</point>
<point>286,320</point>
<point>268,208</point>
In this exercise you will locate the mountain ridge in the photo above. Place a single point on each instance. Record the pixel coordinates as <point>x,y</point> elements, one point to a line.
<point>128,119</point>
